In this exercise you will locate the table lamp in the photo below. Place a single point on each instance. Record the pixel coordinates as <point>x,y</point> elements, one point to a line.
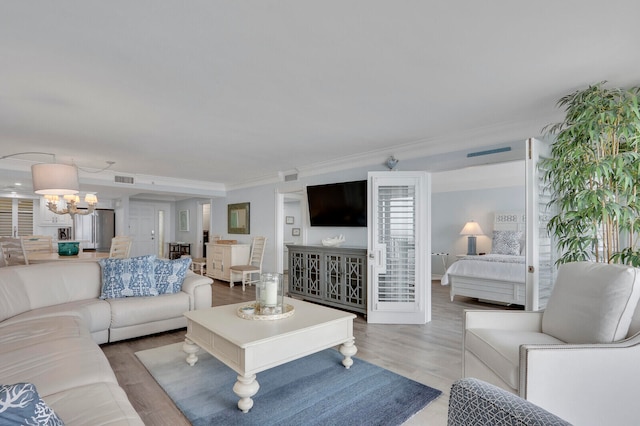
<point>471,229</point>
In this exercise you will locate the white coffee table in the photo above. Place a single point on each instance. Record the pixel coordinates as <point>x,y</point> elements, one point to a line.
<point>250,346</point>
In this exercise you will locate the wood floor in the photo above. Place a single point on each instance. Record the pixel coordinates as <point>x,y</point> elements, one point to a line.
<point>429,354</point>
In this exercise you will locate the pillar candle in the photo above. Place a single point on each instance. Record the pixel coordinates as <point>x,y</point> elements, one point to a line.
<point>271,292</point>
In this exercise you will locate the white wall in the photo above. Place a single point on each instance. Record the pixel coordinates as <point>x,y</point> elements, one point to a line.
<point>292,209</point>
<point>194,207</point>
<point>453,204</point>
<point>263,210</point>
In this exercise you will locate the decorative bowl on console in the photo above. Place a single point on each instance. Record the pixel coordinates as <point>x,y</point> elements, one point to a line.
<point>333,241</point>
<point>68,248</point>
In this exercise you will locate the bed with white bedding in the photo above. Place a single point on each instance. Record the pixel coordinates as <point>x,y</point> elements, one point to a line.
<point>498,276</point>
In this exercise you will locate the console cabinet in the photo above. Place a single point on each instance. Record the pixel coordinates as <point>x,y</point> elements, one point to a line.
<point>220,257</point>
<point>331,276</point>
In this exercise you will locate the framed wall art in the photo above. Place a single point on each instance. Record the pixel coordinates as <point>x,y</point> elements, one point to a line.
<point>238,218</point>
<point>183,221</point>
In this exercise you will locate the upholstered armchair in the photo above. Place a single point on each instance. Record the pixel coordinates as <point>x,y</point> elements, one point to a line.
<point>579,358</point>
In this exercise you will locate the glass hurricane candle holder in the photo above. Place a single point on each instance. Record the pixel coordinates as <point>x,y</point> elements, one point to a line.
<point>270,294</point>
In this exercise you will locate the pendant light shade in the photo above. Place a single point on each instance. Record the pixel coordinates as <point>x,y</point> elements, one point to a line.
<point>55,179</point>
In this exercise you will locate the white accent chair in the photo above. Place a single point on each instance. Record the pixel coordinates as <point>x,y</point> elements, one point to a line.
<point>254,266</point>
<point>120,247</point>
<point>12,251</point>
<point>579,359</point>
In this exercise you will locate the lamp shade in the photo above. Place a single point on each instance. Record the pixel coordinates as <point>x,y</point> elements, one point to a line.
<point>471,228</point>
<point>54,179</point>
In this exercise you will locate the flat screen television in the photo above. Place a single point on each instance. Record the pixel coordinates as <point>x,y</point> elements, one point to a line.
<point>338,204</point>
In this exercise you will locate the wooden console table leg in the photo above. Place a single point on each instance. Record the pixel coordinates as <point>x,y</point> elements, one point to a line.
<point>348,349</point>
<point>245,388</point>
<point>190,349</point>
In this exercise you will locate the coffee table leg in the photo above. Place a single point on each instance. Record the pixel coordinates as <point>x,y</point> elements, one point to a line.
<point>191,349</point>
<point>245,388</point>
<point>348,349</point>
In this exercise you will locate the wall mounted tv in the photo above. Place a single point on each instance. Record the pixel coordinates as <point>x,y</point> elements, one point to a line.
<point>338,204</point>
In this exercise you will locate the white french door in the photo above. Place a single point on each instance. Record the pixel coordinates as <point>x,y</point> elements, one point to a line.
<point>541,248</point>
<point>399,246</point>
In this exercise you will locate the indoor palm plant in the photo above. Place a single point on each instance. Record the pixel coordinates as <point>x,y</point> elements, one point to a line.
<point>594,176</point>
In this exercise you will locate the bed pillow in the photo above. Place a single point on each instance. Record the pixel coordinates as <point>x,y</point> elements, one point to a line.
<point>169,274</point>
<point>130,277</point>
<point>20,404</point>
<point>506,242</point>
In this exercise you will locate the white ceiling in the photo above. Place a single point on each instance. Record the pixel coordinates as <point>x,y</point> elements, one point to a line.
<point>233,92</point>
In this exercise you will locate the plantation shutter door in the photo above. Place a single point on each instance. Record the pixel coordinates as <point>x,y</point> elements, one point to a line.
<point>541,251</point>
<point>6,221</point>
<point>399,245</point>
<point>25,217</point>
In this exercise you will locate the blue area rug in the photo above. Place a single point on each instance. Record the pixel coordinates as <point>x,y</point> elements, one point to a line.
<point>314,390</point>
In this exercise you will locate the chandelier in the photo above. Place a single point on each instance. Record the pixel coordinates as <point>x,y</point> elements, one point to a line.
<point>53,180</point>
<point>72,204</point>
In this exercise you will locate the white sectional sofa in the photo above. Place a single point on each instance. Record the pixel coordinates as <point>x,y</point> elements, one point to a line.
<point>52,320</point>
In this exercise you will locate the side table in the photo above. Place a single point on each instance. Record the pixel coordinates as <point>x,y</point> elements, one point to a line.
<point>444,257</point>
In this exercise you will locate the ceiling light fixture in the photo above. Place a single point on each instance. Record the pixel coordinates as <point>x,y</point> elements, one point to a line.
<point>55,179</point>
<point>72,204</point>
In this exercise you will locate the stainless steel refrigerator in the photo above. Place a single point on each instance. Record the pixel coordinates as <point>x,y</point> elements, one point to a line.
<point>95,230</point>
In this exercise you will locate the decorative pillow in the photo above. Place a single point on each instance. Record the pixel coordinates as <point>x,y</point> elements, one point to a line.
<point>169,274</point>
<point>592,302</point>
<point>129,277</point>
<point>506,242</point>
<point>20,404</point>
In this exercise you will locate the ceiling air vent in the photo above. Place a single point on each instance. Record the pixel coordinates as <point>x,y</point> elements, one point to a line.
<point>124,179</point>
<point>291,177</point>
<point>489,152</point>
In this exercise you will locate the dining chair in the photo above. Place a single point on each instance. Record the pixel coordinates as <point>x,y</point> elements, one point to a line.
<point>120,247</point>
<point>12,251</point>
<point>199,265</point>
<point>37,244</point>
<point>254,266</point>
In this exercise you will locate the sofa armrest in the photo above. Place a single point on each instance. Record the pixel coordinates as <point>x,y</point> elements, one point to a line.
<point>474,402</point>
<point>503,320</point>
<point>585,384</point>
<point>198,288</point>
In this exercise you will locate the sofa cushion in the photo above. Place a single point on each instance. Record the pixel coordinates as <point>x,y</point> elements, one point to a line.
<point>20,404</point>
<point>169,274</point>
<point>57,365</point>
<point>24,288</point>
<point>99,403</point>
<point>592,303</point>
<point>130,277</point>
<point>140,310</point>
<point>36,331</point>
<point>500,349</point>
<point>95,313</point>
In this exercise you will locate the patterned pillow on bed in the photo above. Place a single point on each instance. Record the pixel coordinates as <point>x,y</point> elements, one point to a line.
<point>506,242</point>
